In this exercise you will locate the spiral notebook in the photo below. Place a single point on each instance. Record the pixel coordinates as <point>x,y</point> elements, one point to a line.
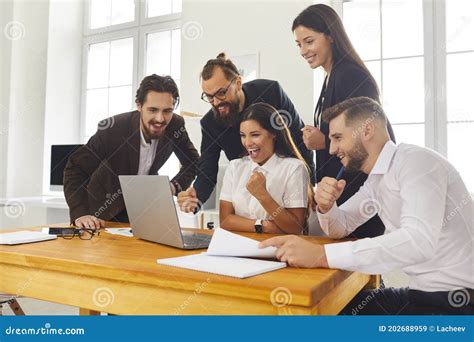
<point>230,255</point>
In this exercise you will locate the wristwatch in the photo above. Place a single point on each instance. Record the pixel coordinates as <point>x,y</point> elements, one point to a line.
<point>258,226</point>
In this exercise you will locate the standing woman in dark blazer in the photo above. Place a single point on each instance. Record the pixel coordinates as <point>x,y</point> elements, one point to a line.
<point>323,42</point>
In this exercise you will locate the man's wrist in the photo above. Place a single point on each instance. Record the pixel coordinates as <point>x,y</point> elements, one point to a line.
<point>321,258</point>
<point>322,210</point>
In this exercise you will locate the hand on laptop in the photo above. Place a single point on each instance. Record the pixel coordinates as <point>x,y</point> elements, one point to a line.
<point>89,222</point>
<point>188,201</point>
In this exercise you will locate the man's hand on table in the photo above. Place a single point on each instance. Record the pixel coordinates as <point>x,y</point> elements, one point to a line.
<point>297,252</point>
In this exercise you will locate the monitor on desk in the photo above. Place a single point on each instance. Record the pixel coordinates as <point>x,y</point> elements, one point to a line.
<point>59,156</point>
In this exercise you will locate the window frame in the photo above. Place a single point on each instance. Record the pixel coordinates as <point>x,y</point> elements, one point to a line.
<point>435,72</point>
<point>137,30</point>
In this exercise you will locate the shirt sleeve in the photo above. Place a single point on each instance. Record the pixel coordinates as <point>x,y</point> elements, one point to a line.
<point>227,183</point>
<point>423,187</point>
<point>296,189</point>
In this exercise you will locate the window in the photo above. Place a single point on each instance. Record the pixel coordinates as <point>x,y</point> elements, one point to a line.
<point>125,40</point>
<point>104,13</point>
<point>421,53</point>
<point>459,71</point>
<point>395,57</point>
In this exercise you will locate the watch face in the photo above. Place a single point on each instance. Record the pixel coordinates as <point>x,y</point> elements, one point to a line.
<point>259,229</point>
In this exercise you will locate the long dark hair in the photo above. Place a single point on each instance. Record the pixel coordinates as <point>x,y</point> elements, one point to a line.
<point>272,121</point>
<point>323,19</point>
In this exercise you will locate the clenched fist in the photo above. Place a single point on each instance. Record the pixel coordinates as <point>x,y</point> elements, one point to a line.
<point>327,192</point>
<point>188,201</point>
<point>257,185</point>
<point>313,138</point>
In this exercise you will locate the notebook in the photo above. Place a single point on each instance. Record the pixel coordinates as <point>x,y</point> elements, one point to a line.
<point>24,236</point>
<point>228,266</point>
<point>230,255</point>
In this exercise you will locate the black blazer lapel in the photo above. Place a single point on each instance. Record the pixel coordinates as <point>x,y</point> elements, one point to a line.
<point>134,144</point>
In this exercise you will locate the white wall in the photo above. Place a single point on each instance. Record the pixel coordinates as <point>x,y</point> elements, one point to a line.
<point>6,15</point>
<point>27,85</point>
<point>63,83</point>
<point>242,27</point>
<point>40,72</point>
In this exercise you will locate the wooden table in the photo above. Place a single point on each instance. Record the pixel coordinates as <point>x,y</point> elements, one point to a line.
<point>119,275</point>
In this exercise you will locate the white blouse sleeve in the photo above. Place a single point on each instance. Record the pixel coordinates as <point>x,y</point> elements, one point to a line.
<point>296,188</point>
<point>227,183</point>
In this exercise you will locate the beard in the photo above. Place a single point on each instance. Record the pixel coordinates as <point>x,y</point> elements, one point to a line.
<point>232,118</point>
<point>357,156</point>
<point>148,133</point>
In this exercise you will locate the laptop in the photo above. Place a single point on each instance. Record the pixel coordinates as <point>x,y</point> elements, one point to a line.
<point>152,213</point>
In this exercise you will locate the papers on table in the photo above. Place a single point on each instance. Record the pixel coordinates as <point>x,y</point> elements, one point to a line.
<point>225,256</point>
<point>225,243</point>
<point>223,265</point>
<point>125,231</point>
<point>24,236</point>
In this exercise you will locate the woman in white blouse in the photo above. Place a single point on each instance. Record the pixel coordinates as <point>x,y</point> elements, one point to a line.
<point>265,191</point>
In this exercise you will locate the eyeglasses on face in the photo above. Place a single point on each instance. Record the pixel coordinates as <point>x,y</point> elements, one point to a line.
<point>220,94</point>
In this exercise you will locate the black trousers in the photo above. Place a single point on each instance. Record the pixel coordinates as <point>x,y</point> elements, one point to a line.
<point>404,301</point>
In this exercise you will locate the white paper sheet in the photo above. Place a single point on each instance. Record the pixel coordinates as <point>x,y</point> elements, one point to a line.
<point>125,231</point>
<point>24,236</point>
<point>225,243</point>
<point>224,265</point>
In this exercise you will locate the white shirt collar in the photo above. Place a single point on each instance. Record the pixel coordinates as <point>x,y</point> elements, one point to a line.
<point>267,167</point>
<point>383,160</point>
<point>143,141</point>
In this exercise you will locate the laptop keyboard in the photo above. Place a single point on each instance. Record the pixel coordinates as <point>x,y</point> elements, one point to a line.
<point>197,239</point>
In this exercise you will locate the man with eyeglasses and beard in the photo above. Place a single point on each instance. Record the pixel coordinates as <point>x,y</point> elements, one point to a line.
<point>223,88</point>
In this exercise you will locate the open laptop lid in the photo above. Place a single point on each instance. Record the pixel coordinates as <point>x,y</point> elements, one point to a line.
<point>151,209</point>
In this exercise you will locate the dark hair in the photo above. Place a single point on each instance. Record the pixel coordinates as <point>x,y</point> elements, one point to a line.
<point>221,61</point>
<point>160,84</point>
<point>356,109</point>
<point>322,18</point>
<point>272,121</point>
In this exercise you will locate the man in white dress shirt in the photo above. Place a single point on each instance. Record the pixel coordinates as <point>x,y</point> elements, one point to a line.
<point>423,203</point>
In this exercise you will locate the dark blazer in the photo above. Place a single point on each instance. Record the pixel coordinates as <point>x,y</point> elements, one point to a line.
<point>217,138</point>
<point>347,80</point>
<point>91,184</point>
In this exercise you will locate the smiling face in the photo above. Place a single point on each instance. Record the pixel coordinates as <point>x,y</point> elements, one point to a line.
<point>155,114</point>
<point>315,47</point>
<point>259,143</point>
<point>227,102</point>
<point>347,145</point>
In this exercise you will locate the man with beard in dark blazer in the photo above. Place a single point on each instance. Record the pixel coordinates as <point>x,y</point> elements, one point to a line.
<point>133,143</point>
